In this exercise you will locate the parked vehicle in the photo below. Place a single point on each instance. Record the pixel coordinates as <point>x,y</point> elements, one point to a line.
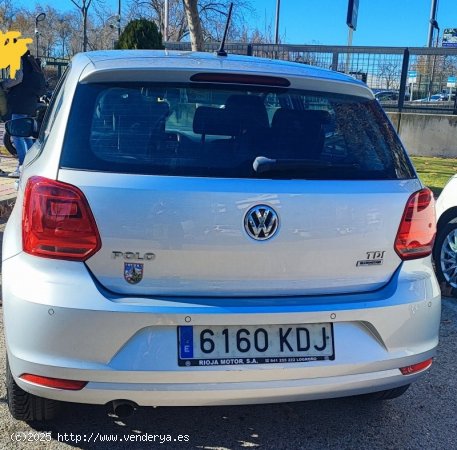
<point>198,229</point>
<point>386,95</point>
<point>437,98</point>
<point>445,249</point>
<point>389,96</point>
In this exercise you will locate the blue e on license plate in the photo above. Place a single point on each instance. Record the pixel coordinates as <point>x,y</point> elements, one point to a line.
<point>254,344</point>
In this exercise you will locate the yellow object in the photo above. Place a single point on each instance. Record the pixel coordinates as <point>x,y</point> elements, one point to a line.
<point>11,50</point>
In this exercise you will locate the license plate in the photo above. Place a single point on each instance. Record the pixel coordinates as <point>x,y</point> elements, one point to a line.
<point>265,344</point>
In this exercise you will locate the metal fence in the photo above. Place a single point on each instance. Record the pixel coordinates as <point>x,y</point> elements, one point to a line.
<point>410,79</point>
<point>53,69</point>
<point>387,70</point>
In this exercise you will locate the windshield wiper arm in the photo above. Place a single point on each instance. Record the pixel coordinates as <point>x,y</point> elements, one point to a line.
<point>262,164</point>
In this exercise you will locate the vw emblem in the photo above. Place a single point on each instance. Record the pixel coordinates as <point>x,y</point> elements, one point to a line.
<point>261,222</point>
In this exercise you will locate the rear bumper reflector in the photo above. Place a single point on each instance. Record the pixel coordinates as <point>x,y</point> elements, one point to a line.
<point>56,383</point>
<point>419,367</point>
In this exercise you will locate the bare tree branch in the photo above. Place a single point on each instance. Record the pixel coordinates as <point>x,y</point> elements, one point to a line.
<point>83,8</point>
<point>212,17</point>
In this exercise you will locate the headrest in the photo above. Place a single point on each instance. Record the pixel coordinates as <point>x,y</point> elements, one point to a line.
<point>215,121</point>
<point>154,107</point>
<point>115,99</point>
<point>287,119</point>
<point>249,109</point>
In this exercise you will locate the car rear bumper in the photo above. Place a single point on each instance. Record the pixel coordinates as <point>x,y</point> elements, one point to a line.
<point>126,348</point>
<point>229,393</point>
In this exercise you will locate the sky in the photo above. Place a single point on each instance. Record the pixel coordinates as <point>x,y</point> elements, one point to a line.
<point>395,23</point>
<point>380,22</point>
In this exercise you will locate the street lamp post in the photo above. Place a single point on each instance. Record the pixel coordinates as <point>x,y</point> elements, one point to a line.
<point>278,6</point>
<point>431,26</point>
<point>434,25</point>
<point>119,20</point>
<point>39,18</point>
<point>113,22</point>
<point>351,22</point>
<point>165,21</point>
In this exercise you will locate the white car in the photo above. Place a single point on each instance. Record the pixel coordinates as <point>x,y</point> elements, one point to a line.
<point>445,250</point>
<point>194,229</point>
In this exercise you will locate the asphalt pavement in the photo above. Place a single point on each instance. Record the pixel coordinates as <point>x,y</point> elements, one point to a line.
<point>425,417</point>
<point>7,185</point>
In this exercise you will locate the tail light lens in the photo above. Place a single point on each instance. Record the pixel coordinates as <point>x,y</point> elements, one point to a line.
<point>417,229</point>
<point>57,221</point>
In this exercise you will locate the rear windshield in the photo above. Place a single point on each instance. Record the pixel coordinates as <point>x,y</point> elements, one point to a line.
<point>208,131</point>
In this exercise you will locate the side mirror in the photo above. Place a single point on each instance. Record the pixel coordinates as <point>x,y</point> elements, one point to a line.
<point>25,127</point>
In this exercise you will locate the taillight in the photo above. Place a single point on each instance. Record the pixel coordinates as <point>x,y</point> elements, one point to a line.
<point>417,229</point>
<point>57,221</point>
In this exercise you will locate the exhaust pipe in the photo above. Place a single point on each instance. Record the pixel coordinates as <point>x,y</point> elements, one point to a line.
<point>124,408</point>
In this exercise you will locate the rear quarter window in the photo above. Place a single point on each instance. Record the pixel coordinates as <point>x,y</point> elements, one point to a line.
<point>54,107</point>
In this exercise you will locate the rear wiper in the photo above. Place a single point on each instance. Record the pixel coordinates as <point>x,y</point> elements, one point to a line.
<point>262,164</point>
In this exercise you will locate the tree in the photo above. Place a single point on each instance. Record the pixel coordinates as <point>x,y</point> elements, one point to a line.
<point>83,7</point>
<point>61,32</point>
<point>7,13</point>
<point>390,73</point>
<point>140,34</point>
<point>48,29</point>
<point>103,32</point>
<point>257,36</point>
<point>194,25</point>
<point>212,13</point>
<point>433,72</point>
<point>64,32</point>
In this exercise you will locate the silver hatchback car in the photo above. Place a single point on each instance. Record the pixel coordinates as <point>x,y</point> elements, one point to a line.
<point>193,229</point>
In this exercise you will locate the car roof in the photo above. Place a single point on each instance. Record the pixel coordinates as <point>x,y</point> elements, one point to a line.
<point>139,61</point>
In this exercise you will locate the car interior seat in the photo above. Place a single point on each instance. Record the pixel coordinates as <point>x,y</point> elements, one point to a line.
<point>251,115</point>
<point>298,134</point>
